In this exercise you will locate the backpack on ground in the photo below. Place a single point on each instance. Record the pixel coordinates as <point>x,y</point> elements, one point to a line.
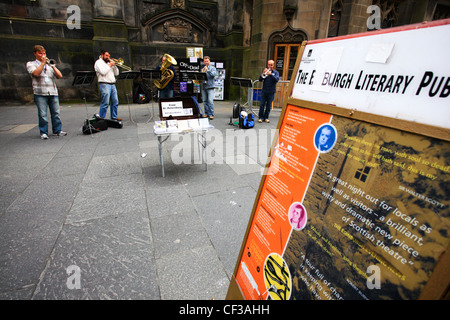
<point>246,120</point>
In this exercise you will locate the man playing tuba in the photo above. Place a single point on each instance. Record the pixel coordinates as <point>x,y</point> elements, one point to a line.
<point>167,91</point>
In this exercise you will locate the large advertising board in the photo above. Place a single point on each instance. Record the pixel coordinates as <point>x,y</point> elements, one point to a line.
<point>349,209</point>
<point>382,74</point>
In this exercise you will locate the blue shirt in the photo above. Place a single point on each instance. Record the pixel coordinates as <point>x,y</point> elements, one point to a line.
<point>270,82</point>
<point>210,76</point>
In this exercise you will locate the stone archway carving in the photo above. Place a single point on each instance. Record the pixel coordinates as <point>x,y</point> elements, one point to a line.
<point>287,35</point>
<point>176,26</point>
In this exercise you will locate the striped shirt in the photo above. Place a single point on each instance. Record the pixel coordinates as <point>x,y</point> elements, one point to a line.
<point>44,84</point>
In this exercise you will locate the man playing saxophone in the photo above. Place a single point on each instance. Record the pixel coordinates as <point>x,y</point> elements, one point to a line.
<point>106,70</point>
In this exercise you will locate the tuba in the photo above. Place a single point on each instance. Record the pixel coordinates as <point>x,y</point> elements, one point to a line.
<point>166,73</point>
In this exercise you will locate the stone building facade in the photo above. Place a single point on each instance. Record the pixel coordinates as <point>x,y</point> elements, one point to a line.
<point>243,34</point>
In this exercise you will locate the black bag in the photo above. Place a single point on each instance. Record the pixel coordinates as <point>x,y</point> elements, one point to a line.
<point>113,123</point>
<point>100,124</point>
<point>89,129</point>
<point>94,125</point>
<point>236,110</point>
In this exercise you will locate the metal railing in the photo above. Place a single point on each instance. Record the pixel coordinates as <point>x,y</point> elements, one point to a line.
<point>280,94</point>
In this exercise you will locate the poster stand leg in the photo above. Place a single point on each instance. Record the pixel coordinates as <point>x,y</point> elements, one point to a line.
<point>153,105</point>
<point>84,79</point>
<point>152,100</point>
<point>128,75</point>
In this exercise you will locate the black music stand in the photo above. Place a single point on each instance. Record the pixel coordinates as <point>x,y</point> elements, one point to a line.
<point>241,82</point>
<point>196,76</point>
<point>151,74</point>
<point>245,83</point>
<point>84,79</point>
<point>128,75</point>
<point>199,76</point>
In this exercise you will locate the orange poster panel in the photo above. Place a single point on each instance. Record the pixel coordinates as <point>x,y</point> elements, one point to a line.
<point>348,210</point>
<point>304,134</point>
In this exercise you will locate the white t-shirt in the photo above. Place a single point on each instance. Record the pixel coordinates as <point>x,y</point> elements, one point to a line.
<point>105,73</point>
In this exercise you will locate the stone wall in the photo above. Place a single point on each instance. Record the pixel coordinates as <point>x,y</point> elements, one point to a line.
<point>242,33</point>
<point>139,31</point>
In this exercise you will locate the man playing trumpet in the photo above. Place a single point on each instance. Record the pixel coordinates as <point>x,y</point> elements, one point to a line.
<point>43,75</point>
<point>270,77</point>
<point>207,87</point>
<point>106,70</point>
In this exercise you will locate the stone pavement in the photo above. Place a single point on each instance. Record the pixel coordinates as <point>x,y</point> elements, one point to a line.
<point>95,208</point>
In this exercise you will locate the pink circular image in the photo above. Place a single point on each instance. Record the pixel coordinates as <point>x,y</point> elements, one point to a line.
<point>297,216</point>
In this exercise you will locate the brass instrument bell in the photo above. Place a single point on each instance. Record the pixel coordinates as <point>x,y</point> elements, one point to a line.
<point>50,62</point>
<point>264,74</point>
<point>166,73</point>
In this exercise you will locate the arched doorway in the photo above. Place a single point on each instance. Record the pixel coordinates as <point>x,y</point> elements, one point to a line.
<point>283,48</point>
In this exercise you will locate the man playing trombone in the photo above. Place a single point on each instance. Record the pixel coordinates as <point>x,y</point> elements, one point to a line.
<point>106,70</point>
<point>270,77</point>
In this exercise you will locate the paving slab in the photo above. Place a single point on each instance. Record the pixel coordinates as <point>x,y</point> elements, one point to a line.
<point>90,217</point>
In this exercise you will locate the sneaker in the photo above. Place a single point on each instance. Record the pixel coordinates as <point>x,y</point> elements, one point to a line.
<point>61,133</point>
<point>44,136</point>
<point>267,120</point>
<point>211,118</point>
<point>260,120</point>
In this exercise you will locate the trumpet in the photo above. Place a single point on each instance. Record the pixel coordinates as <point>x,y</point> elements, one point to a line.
<point>265,73</point>
<point>50,62</point>
<point>119,62</point>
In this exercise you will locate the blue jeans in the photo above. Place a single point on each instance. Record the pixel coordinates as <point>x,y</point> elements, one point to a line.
<point>166,93</point>
<point>52,102</point>
<point>266,105</point>
<point>208,101</point>
<point>108,93</point>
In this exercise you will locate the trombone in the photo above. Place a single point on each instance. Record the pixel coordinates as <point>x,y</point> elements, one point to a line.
<point>119,62</point>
